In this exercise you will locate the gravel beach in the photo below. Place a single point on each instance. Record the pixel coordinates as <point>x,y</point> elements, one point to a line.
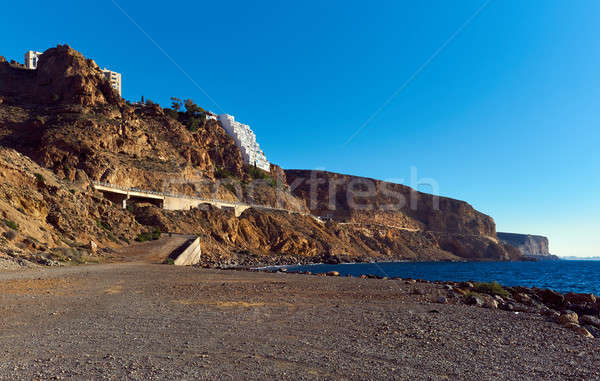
<point>142,321</point>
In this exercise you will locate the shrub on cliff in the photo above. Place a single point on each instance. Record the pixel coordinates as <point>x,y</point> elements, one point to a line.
<point>193,117</point>
<point>11,224</point>
<point>222,173</point>
<point>149,236</point>
<point>258,174</point>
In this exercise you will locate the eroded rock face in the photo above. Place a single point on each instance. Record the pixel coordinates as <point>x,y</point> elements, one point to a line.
<point>351,198</point>
<point>40,213</point>
<point>273,237</point>
<point>63,76</point>
<point>457,227</point>
<point>526,243</point>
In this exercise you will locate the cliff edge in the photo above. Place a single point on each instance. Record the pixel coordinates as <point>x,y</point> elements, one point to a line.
<point>526,243</point>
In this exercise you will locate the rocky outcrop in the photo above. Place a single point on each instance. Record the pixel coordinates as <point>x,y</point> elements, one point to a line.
<point>358,199</point>
<point>527,244</point>
<point>64,76</point>
<point>42,217</point>
<point>457,227</point>
<point>88,131</point>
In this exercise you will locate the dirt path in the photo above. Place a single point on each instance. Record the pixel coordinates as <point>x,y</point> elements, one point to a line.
<point>151,251</point>
<point>139,321</point>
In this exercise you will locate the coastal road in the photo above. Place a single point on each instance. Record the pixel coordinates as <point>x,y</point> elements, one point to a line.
<point>143,321</point>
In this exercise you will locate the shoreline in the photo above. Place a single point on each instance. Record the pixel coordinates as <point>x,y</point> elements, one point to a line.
<point>578,312</point>
<point>145,321</point>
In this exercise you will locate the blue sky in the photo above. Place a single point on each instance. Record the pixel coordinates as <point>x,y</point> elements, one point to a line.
<point>505,117</point>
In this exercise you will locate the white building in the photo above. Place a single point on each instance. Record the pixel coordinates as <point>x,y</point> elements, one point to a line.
<point>245,139</point>
<point>31,59</point>
<point>114,78</point>
<point>211,115</point>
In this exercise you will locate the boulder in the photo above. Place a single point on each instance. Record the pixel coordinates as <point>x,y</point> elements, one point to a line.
<point>590,320</point>
<point>593,330</point>
<point>491,303</point>
<point>579,330</point>
<point>523,298</point>
<point>568,317</point>
<point>582,308</point>
<point>333,273</point>
<point>551,298</point>
<point>473,300</point>
<point>93,247</point>
<point>574,298</point>
<point>551,314</point>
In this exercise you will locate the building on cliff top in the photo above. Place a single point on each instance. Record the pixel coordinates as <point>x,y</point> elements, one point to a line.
<point>33,58</point>
<point>245,139</point>
<point>114,78</point>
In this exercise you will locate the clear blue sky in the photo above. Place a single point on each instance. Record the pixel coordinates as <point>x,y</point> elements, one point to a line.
<point>506,117</point>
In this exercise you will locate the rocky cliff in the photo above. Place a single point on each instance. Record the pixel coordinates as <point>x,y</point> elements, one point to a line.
<point>457,226</point>
<point>67,118</point>
<point>64,76</point>
<point>351,198</point>
<point>43,218</point>
<point>526,243</point>
<point>62,126</point>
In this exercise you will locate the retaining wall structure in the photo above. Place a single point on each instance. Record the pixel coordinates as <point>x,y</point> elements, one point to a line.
<point>191,255</point>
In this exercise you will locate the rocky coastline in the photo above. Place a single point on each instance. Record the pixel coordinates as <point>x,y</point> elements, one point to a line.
<point>578,312</point>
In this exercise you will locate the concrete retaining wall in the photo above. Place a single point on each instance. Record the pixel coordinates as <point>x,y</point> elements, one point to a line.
<point>191,255</point>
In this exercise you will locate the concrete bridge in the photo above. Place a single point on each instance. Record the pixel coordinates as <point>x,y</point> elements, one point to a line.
<point>121,196</point>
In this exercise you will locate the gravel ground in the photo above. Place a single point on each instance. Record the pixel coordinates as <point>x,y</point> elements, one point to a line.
<point>141,321</point>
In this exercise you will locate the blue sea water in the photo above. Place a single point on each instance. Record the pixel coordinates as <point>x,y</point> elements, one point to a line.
<point>563,276</point>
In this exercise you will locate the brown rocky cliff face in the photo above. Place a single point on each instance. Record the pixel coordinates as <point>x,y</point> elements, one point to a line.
<point>452,226</point>
<point>526,243</point>
<point>394,204</point>
<point>137,147</point>
<point>40,213</point>
<point>273,237</point>
<point>64,76</point>
<point>66,117</point>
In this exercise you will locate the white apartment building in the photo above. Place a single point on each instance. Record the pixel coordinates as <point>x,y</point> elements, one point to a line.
<point>114,78</point>
<point>31,59</point>
<point>211,115</point>
<point>245,139</point>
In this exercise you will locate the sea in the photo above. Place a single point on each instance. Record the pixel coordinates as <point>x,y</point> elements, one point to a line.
<point>562,276</point>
